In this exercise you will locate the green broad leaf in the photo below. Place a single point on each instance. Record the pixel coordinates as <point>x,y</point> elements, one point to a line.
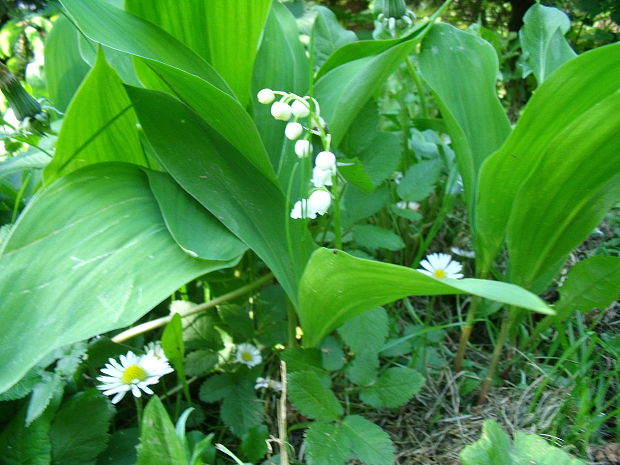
<point>394,387</point>
<point>461,70</point>
<point>364,368</point>
<point>311,397</point>
<point>591,283</point>
<point>327,444</point>
<point>24,386</point>
<point>357,204</point>
<point>574,185</point>
<point>102,22</point>
<point>42,393</point>
<point>199,332</point>
<point>120,61</point>
<point>196,231</point>
<point>24,161</point>
<point>246,201</point>
<point>254,443</point>
<point>328,35</point>
<point>241,410</point>
<point>574,89</point>
<point>27,445</point>
<point>64,67</point>
<point>172,343</point>
<point>121,448</point>
<point>200,362</point>
<point>542,40</point>
<point>159,442</point>
<point>332,355</point>
<point>75,440</point>
<point>370,236</point>
<point>104,258</point>
<point>495,448</point>
<point>355,173</point>
<point>302,359</point>
<point>367,441</point>
<point>224,33</point>
<point>367,331</point>
<point>216,387</point>
<point>220,110</point>
<point>100,126</point>
<point>419,180</point>
<point>281,64</point>
<point>336,287</point>
<point>381,157</point>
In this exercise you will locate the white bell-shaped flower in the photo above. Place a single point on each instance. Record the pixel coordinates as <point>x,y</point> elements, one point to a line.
<point>319,202</point>
<point>265,96</point>
<point>293,131</point>
<point>301,210</point>
<point>300,109</point>
<point>281,111</point>
<point>326,161</point>
<point>303,148</point>
<point>321,178</point>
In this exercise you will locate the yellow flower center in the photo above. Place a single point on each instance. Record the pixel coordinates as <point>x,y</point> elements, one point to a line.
<point>439,274</point>
<point>247,357</point>
<point>133,373</point>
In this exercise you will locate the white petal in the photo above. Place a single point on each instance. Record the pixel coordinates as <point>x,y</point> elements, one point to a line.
<point>118,397</point>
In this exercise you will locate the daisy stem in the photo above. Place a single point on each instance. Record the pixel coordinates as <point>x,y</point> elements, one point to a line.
<point>138,402</point>
<point>507,322</point>
<point>159,322</point>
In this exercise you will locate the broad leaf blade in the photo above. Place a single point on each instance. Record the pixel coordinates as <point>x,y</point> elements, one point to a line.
<point>367,441</point>
<point>89,254</point>
<point>328,35</point>
<point>195,230</point>
<point>247,202</point>
<point>542,40</point>
<point>158,440</point>
<point>311,397</point>
<point>461,69</point>
<point>571,91</point>
<point>100,125</point>
<point>336,286</point>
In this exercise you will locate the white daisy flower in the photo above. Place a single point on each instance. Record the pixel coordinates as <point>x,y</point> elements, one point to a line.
<point>441,265</point>
<point>268,383</point>
<point>248,355</point>
<point>463,252</point>
<point>132,374</point>
<point>156,350</point>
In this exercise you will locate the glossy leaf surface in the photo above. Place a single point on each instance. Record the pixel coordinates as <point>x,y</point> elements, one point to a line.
<point>89,254</point>
<point>336,286</point>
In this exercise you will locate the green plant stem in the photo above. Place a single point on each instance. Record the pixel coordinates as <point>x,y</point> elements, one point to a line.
<point>337,222</point>
<point>292,324</point>
<point>466,332</point>
<point>159,322</point>
<point>419,87</point>
<point>282,422</point>
<point>507,323</point>
<point>138,402</point>
<point>20,195</point>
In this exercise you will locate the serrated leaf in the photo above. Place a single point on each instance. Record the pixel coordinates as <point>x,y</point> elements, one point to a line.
<point>241,410</point>
<point>24,386</point>
<point>70,359</point>
<point>374,237</point>
<point>200,362</point>
<point>332,355</point>
<point>327,444</point>
<point>254,443</point>
<point>26,445</point>
<point>530,448</point>
<point>301,359</point>
<point>366,332</point>
<point>382,157</point>
<point>311,397</point>
<point>363,369</point>
<point>368,442</point>
<point>159,442</point>
<point>216,387</point>
<point>199,332</point>
<point>419,180</point>
<point>42,393</point>
<point>394,388</point>
<point>75,441</point>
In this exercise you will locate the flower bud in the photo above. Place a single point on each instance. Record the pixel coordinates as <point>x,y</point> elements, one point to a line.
<point>300,109</point>
<point>281,111</point>
<point>394,8</point>
<point>293,131</point>
<point>303,148</point>
<point>319,202</point>
<point>265,96</point>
